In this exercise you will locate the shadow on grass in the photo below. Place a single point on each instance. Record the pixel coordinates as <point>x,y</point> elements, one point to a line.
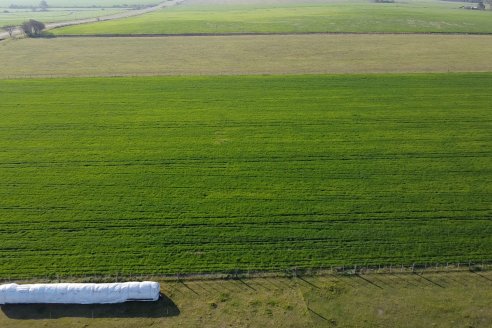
<point>164,307</point>
<point>308,282</point>
<point>481,275</point>
<point>44,35</point>
<point>368,281</point>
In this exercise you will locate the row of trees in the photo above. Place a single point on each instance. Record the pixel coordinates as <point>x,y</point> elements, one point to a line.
<point>481,4</point>
<point>43,6</point>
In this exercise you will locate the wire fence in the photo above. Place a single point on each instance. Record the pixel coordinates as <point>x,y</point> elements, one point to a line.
<point>415,268</point>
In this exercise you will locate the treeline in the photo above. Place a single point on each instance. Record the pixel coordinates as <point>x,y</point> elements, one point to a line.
<point>43,6</point>
<point>471,1</point>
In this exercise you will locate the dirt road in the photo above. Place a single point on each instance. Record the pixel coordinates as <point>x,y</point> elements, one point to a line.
<point>129,13</point>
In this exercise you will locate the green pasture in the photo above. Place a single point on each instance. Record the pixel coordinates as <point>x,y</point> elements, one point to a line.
<point>332,16</point>
<point>166,175</point>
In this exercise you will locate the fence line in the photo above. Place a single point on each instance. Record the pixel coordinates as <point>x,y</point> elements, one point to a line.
<point>415,268</point>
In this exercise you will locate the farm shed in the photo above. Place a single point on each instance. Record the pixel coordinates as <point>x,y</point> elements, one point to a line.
<point>66,293</point>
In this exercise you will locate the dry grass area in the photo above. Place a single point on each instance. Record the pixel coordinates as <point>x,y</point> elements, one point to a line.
<point>226,55</point>
<point>459,299</point>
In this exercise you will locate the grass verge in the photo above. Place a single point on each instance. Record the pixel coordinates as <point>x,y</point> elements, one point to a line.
<point>398,300</point>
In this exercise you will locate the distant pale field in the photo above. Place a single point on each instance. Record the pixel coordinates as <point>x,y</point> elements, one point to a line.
<point>16,17</point>
<point>77,3</point>
<point>246,55</point>
<point>407,300</point>
<point>198,16</point>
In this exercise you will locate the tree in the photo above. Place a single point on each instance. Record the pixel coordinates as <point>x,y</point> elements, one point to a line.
<point>32,27</point>
<point>43,5</point>
<point>10,29</point>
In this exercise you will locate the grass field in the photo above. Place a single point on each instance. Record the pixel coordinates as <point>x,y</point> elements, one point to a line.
<point>266,168</point>
<point>272,54</point>
<point>397,300</point>
<point>331,16</point>
<point>17,17</point>
<point>168,175</point>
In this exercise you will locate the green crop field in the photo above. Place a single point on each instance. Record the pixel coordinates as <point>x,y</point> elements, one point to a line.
<point>331,16</point>
<point>168,175</point>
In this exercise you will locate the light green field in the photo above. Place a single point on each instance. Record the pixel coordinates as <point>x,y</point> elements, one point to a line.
<point>351,16</point>
<point>440,300</point>
<point>205,174</point>
<point>17,17</point>
<point>272,54</point>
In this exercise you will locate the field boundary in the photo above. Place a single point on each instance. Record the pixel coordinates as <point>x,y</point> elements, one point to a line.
<point>224,75</point>
<point>233,34</point>
<point>239,274</point>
